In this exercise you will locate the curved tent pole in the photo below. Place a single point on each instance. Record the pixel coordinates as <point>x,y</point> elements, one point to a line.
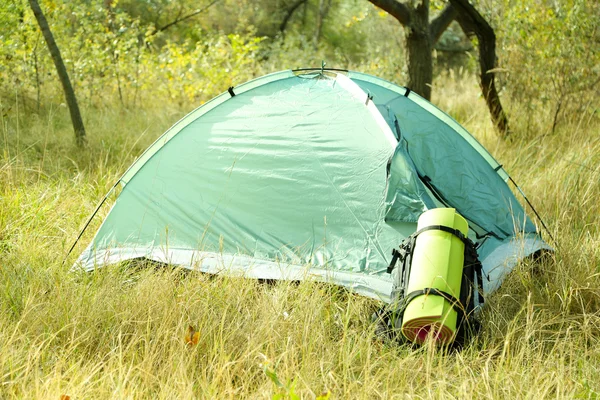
<point>533,209</point>
<point>90,219</point>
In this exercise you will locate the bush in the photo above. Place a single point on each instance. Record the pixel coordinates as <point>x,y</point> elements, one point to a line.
<point>551,51</point>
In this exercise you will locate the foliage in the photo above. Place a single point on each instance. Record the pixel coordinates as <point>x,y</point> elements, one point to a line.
<point>113,50</point>
<point>108,53</point>
<point>551,51</point>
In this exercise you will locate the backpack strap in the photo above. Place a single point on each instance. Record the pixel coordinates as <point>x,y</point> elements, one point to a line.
<point>433,291</point>
<point>443,228</point>
<point>395,256</point>
<point>408,245</point>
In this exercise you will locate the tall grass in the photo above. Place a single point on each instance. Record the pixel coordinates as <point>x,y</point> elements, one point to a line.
<point>119,332</point>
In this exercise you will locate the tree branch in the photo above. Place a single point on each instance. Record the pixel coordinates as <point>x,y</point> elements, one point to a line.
<point>185,17</point>
<point>440,23</point>
<point>472,23</point>
<point>289,14</point>
<point>398,10</point>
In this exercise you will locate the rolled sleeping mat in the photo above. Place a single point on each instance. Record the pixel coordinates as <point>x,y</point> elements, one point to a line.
<point>437,263</point>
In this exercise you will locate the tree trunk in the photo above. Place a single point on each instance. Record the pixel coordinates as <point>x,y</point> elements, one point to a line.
<point>78,126</point>
<point>473,24</point>
<point>420,63</point>
<point>418,45</point>
<point>421,35</point>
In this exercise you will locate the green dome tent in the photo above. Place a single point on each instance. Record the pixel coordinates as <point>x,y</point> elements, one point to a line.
<point>313,174</point>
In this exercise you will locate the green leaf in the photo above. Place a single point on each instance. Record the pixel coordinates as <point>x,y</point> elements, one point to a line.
<point>272,375</point>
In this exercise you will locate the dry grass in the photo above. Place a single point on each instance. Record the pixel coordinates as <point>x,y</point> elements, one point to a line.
<point>119,333</point>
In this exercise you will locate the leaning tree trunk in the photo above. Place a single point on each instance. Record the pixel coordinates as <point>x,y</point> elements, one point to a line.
<point>78,126</point>
<point>473,24</point>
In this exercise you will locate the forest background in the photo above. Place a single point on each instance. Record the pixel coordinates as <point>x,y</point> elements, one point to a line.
<point>139,66</point>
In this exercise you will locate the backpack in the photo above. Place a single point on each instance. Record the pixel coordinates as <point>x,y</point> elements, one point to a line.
<point>389,319</point>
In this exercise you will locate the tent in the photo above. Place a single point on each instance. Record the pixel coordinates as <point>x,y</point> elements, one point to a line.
<point>310,174</point>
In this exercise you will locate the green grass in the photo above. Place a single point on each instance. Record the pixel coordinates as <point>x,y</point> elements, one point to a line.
<point>119,333</point>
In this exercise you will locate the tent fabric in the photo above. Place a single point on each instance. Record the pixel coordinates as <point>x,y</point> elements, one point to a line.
<point>312,175</point>
<point>440,154</point>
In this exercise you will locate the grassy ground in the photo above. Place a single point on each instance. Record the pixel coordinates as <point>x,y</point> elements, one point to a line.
<point>120,334</point>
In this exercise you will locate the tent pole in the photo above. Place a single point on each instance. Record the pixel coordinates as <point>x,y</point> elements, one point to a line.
<point>90,219</point>
<point>534,210</point>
